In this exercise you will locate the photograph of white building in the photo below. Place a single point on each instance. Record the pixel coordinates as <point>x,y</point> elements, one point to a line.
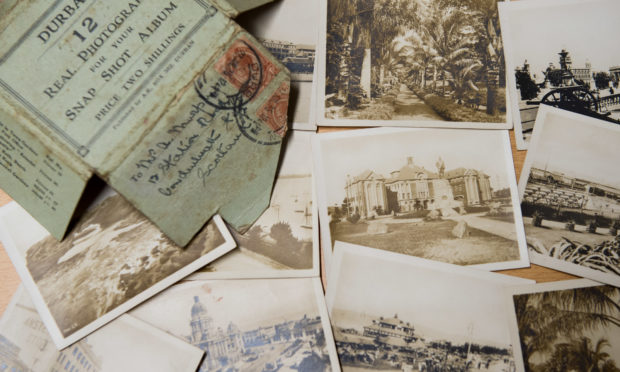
<point>429,193</point>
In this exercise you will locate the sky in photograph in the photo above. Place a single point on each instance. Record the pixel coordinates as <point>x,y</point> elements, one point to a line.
<point>297,159</point>
<point>123,345</point>
<point>588,30</point>
<point>286,20</point>
<point>384,153</point>
<point>246,303</point>
<point>579,149</point>
<point>439,304</point>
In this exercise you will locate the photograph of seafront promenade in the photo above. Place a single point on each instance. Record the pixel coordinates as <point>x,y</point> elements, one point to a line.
<point>391,189</point>
<point>288,29</point>
<point>574,68</point>
<point>412,63</point>
<point>570,195</point>
<point>111,256</point>
<point>393,313</point>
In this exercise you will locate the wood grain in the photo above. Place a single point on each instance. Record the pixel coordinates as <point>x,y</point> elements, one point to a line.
<point>9,280</point>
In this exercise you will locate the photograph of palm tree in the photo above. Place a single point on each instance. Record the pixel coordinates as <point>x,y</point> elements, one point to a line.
<point>567,326</point>
<point>407,61</point>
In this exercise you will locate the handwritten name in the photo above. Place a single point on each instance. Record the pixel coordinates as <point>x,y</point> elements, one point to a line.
<point>182,174</point>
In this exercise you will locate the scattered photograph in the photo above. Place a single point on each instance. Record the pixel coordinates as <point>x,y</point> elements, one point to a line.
<point>284,241</point>
<point>390,312</point>
<point>411,63</point>
<point>570,195</point>
<point>288,29</point>
<point>441,194</point>
<point>559,53</point>
<point>258,325</point>
<point>125,344</point>
<point>112,259</point>
<point>562,326</point>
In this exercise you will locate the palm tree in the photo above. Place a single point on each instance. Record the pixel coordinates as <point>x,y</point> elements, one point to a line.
<point>543,318</point>
<point>445,31</point>
<point>579,355</point>
<point>414,51</point>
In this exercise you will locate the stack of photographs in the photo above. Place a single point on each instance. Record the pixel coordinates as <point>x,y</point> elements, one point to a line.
<point>412,220</point>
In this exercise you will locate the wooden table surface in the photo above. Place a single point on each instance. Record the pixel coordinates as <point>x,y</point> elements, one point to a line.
<point>9,280</point>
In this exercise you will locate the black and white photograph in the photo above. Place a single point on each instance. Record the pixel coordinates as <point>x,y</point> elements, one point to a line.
<point>561,53</point>
<point>430,193</point>
<point>284,241</point>
<point>562,326</point>
<point>395,313</point>
<point>412,63</point>
<point>113,259</point>
<point>289,30</point>
<point>259,325</point>
<point>570,195</point>
<point>125,344</point>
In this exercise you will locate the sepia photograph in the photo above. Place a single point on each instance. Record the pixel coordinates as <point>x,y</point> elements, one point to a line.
<point>395,313</point>
<point>288,29</point>
<point>575,68</point>
<point>284,241</point>
<point>562,326</point>
<point>286,330</point>
<point>112,259</point>
<point>430,193</point>
<point>125,344</point>
<point>570,195</point>
<point>411,63</point>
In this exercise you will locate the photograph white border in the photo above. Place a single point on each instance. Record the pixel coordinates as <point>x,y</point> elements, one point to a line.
<point>511,314</point>
<point>59,340</point>
<point>275,273</point>
<point>321,53</point>
<point>319,165</point>
<point>342,248</point>
<point>535,143</point>
<point>505,8</point>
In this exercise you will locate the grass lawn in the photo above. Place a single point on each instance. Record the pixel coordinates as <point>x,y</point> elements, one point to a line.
<point>432,240</point>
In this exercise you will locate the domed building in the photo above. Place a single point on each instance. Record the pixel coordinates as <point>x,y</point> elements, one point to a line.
<point>221,348</point>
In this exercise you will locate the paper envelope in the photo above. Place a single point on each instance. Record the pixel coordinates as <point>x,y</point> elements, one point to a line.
<point>170,102</point>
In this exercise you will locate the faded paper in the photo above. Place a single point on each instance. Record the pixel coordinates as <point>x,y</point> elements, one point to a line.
<point>126,344</point>
<point>167,102</point>
<point>392,311</point>
<point>43,181</point>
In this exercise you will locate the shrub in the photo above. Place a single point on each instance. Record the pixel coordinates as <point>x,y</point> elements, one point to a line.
<point>354,218</point>
<point>416,214</point>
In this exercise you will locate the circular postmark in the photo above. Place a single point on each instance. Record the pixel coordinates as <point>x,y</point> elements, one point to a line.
<point>254,130</point>
<point>241,67</point>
